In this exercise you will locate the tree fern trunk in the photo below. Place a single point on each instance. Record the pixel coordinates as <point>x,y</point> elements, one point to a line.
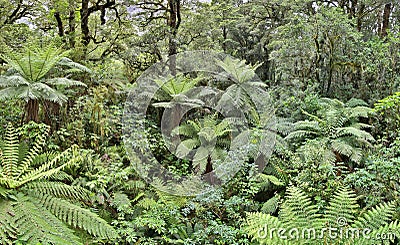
<point>32,111</point>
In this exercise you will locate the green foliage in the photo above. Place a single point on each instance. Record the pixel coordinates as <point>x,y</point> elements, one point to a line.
<point>377,180</point>
<point>301,50</point>
<point>28,77</point>
<point>173,89</point>
<point>208,137</point>
<point>35,205</point>
<point>243,86</point>
<point>302,223</point>
<point>337,125</point>
<point>388,110</point>
<point>33,77</point>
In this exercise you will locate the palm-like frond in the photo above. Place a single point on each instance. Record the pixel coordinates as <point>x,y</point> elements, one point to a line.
<point>245,88</point>
<point>65,82</point>
<point>338,124</point>
<point>78,217</point>
<point>30,77</point>
<point>64,61</point>
<point>36,224</point>
<point>34,209</point>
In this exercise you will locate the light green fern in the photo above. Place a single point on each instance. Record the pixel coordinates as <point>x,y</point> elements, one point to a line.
<point>35,208</point>
<point>301,222</point>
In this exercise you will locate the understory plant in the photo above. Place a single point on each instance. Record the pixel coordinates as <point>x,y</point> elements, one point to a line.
<point>300,221</point>
<point>36,203</point>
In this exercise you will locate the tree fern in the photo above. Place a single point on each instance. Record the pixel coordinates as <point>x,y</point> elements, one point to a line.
<point>36,208</point>
<point>31,77</point>
<point>207,137</point>
<point>337,124</point>
<point>245,87</point>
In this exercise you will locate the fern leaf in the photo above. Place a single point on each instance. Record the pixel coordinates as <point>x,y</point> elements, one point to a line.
<point>271,205</point>
<point>57,189</point>
<point>8,231</point>
<point>10,153</point>
<point>342,208</point>
<point>37,225</point>
<point>78,217</point>
<point>298,210</point>
<point>46,170</point>
<point>260,225</point>
<point>377,216</point>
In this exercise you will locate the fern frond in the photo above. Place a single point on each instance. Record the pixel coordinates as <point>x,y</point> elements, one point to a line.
<point>11,81</point>
<point>343,206</point>
<point>298,134</point>
<point>298,210</point>
<point>46,170</point>
<point>66,82</point>
<point>57,189</point>
<point>9,155</point>
<point>147,203</point>
<point>259,225</point>
<point>71,64</point>
<point>8,231</point>
<point>378,216</point>
<point>78,217</point>
<point>342,147</point>
<point>33,152</point>
<point>358,133</point>
<point>37,225</point>
<point>271,205</point>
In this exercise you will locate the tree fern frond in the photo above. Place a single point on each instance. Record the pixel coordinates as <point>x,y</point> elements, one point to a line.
<point>8,231</point>
<point>37,225</point>
<point>358,133</point>
<point>353,102</point>
<point>186,146</point>
<point>33,152</point>
<point>298,134</point>
<point>61,176</point>
<point>9,154</point>
<point>69,63</point>
<point>47,169</point>
<point>10,81</point>
<point>359,111</point>
<point>66,82</point>
<point>78,217</point>
<point>57,189</point>
<point>342,147</point>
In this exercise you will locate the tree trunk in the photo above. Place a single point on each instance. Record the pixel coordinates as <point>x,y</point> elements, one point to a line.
<point>385,19</point>
<point>173,22</point>
<point>60,26</point>
<point>85,24</point>
<point>71,23</point>
<point>51,110</point>
<point>359,17</point>
<point>224,38</point>
<point>32,111</point>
